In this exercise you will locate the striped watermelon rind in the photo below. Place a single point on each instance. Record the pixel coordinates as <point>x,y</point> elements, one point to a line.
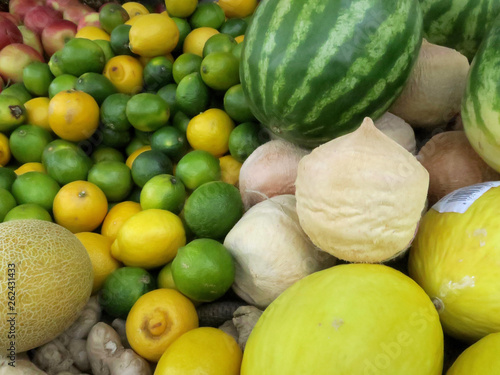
<point>312,70</point>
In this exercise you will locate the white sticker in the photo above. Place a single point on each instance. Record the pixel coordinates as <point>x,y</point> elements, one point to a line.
<point>460,200</point>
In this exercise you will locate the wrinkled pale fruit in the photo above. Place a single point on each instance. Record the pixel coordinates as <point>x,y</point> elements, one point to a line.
<point>398,130</point>
<point>360,196</point>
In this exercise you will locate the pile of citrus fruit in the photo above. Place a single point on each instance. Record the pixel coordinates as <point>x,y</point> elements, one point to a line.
<point>132,137</point>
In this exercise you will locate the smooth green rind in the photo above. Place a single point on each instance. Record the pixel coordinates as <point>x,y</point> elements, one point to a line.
<point>309,81</point>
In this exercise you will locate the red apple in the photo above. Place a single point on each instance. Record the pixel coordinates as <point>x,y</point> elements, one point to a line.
<point>14,58</point>
<point>60,5</point>
<point>91,19</point>
<point>160,8</point>
<point>15,19</point>
<point>55,36</point>
<point>19,8</point>
<point>40,17</point>
<point>9,33</point>
<point>31,39</point>
<point>76,12</point>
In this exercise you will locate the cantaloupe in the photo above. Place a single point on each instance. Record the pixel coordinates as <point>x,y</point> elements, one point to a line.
<point>50,272</point>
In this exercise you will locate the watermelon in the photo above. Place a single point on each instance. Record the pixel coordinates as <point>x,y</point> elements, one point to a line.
<point>312,70</point>
<point>458,24</point>
<point>481,101</point>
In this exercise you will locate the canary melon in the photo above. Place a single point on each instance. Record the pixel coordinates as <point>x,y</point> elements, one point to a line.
<point>45,281</point>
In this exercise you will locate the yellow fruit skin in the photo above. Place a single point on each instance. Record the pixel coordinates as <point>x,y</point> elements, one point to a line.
<point>30,167</point>
<point>209,131</point>
<point>134,9</point>
<point>196,39</point>
<point>135,154</point>
<point>348,319</point>
<point>37,111</point>
<point>230,169</point>
<point>157,319</point>
<point>92,33</point>
<point>4,150</point>
<point>153,35</point>
<point>205,350</point>
<point>238,8</point>
<point>125,72</point>
<point>455,259</point>
<point>181,8</point>
<point>117,216</point>
<point>52,281</point>
<point>480,358</point>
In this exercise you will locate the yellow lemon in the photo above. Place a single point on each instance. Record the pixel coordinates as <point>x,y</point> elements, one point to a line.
<point>133,20</point>
<point>92,33</point>
<point>153,35</point>
<point>205,350</point>
<point>117,216</point>
<point>149,239</point>
<point>239,38</point>
<point>125,72</point>
<point>230,169</point>
<point>209,131</point>
<point>238,8</point>
<point>30,167</point>
<point>157,319</point>
<point>134,9</point>
<point>181,8</point>
<point>135,154</point>
<point>37,110</point>
<point>196,39</point>
<point>99,250</point>
<point>479,358</point>
<point>4,150</point>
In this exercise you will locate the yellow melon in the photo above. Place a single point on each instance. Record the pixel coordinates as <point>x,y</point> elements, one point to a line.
<point>45,281</point>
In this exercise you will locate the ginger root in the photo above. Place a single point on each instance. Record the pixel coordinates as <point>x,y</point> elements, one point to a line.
<point>240,327</point>
<point>23,366</point>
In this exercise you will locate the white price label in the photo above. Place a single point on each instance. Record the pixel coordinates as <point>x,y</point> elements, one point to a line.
<point>460,200</point>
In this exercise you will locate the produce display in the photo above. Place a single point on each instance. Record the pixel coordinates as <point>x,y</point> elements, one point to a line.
<point>254,187</point>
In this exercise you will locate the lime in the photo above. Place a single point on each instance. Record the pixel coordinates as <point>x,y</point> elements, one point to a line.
<point>80,56</point>
<point>17,90</point>
<point>167,93</point>
<point>149,164</point>
<point>114,138</point>
<point>35,187</point>
<point>143,136</point>
<point>165,278</point>
<point>113,178</point>
<point>220,70</point>
<point>234,27</point>
<point>120,41</point>
<point>7,203</point>
<point>96,85</point>
<point>147,112</point>
<point>65,162</point>
<point>181,121</point>
<point>158,73</point>
<point>207,15</point>
<point>63,82</point>
<point>27,143</point>
<point>37,78</point>
<point>185,64</point>
<point>236,105</point>
<point>244,139</point>
<point>197,168</point>
<point>28,211</point>
<point>164,192</point>
<point>171,141</point>
<point>55,65</point>
<point>12,113</point>
<point>213,209</point>
<point>181,8</point>
<point>7,178</point>
<point>219,43</point>
<point>203,270</point>
<point>135,195</point>
<point>237,51</point>
<point>112,15</point>
<point>113,112</point>
<point>107,154</point>
<point>122,288</point>
<point>184,30</point>
<point>106,48</point>
<point>135,144</point>
<point>192,95</point>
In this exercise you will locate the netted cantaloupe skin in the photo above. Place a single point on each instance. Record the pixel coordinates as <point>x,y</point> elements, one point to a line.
<point>53,282</point>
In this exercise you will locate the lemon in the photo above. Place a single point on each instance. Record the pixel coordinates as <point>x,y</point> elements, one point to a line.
<point>238,8</point>
<point>5,153</point>
<point>37,111</point>
<point>210,131</point>
<point>125,72</point>
<point>239,39</point>
<point>117,216</point>
<point>130,160</point>
<point>196,39</point>
<point>30,167</point>
<point>149,239</point>
<point>92,33</point>
<point>153,35</point>
<point>181,8</point>
<point>205,350</point>
<point>480,358</point>
<point>455,258</point>
<point>230,169</point>
<point>134,9</point>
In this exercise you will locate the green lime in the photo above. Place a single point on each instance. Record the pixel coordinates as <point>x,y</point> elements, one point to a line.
<point>220,70</point>
<point>122,288</point>
<point>167,93</point>
<point>192,95</point>
<point>197,168</point>
<point>219,43</point>
<point>37,78</point>
<point>236,105</point>
<point>107,154</point>
<point>184,30</point>
<point>145,137</point>
<point>106,48</point>
<point>171,141</point>
<point>35,187</point>
<point>27,143</point>
<point>164,192</point>
<point>12,113</point>
<point>113,178</point>
<point>7,203</point>
<point>96,85</point>
<point>203,270</point>
<point>181,121</point>
<point>112,15</point>
<point>244,139</point>
<point>185,64</point>
<point>135,144</point>
<point>55,65</point>
<point>234,27</point>
<point>28,211</point>
<point>63,82</point>
<point>17,90</point>
<point>147,112</point>
<point>158,73</point>
<point>7,178</point>
<point>120,41</point>
<point>135,195</point>
<point>80,56</point>
<point>165,278</point>
<point>114,138</point>
<point>207,15</point>
<point>113,112</point>
<point>237,51</point>
<point>65,162</point>
<point>149,164</point>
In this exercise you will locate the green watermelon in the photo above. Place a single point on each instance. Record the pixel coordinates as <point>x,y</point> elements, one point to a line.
<point>312,70</point>
<point>481,101</point>
<point>458,24</point>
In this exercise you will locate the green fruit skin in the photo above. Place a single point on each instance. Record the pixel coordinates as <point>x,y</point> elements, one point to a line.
<point>119,40</point>
<point>113,178</point>
<point>190,170</point>
<point>184,30</point>
<point>207,15</point>
<point>163,192</point>
<point>147,112</point>
<point>17,90</point>
<point>158,73</point>
<point>185,64</point>
<point>7,203</point>
<point>219,43</point>
<point>28,211</point>
<point>192,95</point>
<point>148,165</point>
<point>65,162</point>
<point>37,78</point>
<point>111,16</point>
<point>323,78</point>
<point>167,93</point>
<point>80,56</point>
<point>7,178</point>
<point>236,105</point>
<point>216,63</point>
<point>96,85</point>
<point>34,136</point>
<point>113,112</point>
<point>243,140</point>
<point>63,82</point>
<point>171,141</point>
<point>12,113</point>
<point>114,138</point>
<point>26,189</point>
